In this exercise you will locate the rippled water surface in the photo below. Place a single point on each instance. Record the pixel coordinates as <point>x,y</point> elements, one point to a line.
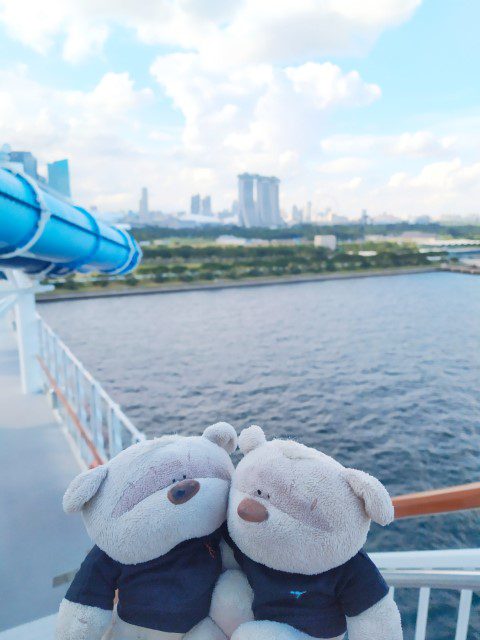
<point>381,373</point>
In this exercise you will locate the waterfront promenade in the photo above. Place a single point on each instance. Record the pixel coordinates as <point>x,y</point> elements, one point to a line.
<point>235,284</point>
<point>38,542</point>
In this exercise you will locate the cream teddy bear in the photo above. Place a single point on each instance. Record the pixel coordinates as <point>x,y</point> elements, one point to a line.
<point>298,521</point>
<point>156,514</point>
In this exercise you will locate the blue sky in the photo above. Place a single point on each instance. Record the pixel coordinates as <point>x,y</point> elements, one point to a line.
<point>353,106</point>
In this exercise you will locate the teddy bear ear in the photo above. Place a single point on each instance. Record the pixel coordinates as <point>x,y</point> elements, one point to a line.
<point>222,434</point>
<point>377,502</point>
<point>83,488</point>
<point>251,438</point>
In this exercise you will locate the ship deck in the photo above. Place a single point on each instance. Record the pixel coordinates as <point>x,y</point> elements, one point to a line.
<point>38,542</point>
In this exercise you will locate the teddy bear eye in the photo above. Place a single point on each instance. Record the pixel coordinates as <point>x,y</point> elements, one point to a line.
<point>259,492</point>
<point>184,476</point>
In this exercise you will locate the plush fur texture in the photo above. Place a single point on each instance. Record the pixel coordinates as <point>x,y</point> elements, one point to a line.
<point>380,622</point>
<point>124,503</point>
<point>265,630</point>
<point>205,630</point>
<point>121,630</point>
<point>128,514</point>
<point>231,601</point>
<point>318,511</point>
<point>314,515</point>
<point>80,622</point>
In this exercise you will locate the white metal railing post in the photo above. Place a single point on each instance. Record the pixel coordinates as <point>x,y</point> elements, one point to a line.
<point>463,614</point>
<point>97,424</point>
<point>27,331</point>
<point>422,613</point>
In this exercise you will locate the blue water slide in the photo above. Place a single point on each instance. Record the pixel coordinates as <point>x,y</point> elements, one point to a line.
<point>42,233</point>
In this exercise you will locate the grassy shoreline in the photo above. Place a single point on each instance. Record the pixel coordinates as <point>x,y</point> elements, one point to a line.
<point>141,289</point>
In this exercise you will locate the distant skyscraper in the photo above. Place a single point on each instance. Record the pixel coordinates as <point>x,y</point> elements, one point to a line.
<point>59,177</point>
<point>308,212</point>
<point>265,211</point>
<point>26,159</point>
<point>207,206</point>
<point>246,202</point>
<point>195,205</point>
<point>297,214</point>
<point>143,204</point>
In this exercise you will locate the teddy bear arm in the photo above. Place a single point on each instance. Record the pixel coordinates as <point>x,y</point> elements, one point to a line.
<point>380,622</point>
<point>228,557</point>
<point>232,600</point>
<point>268,630</point>
<point>81,622</point>
<point>205,630</point>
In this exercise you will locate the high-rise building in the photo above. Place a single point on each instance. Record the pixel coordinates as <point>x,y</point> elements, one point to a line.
<point>246,202</point>
<point>308,212</point>
<point>265,210</point>
<point>27,160</point>
<point>275,218</point>
<point>59,177</point>
<point>143,204</point>
<point>297,214</point>
<point>207,206</point>
<point>195,205</point>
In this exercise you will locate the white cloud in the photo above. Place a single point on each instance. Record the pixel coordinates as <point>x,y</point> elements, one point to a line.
<point>447,176</point>
<point>408,144</point>
<point>422,143</point>
<point>246,79</point>
<point>327,86</point>
<point>256,113</point>
<point>439,188</point>
<point>88,127</point>
<point>344,165</point>
<point>229,31</point>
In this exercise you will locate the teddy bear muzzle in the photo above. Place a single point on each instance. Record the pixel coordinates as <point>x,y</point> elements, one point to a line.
<point>183,491</point>
<point>252,511</point>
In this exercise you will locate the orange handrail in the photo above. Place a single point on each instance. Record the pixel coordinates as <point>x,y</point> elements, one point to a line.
<point>459,498</point>
<point>98,460</point>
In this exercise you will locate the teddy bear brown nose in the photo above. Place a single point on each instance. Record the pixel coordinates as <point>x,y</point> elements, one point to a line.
<point>252,511</point>
<point>183,491</point>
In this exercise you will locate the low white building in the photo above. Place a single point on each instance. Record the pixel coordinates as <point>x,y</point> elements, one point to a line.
<point>328,242</point>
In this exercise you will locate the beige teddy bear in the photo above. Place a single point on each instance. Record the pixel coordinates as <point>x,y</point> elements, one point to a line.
<point>156,514</point>
<point>298,521</point>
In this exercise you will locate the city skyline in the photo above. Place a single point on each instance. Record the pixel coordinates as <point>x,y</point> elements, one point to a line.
<point>258,203</point>
<point>355,107</point>
<point>58,171</point>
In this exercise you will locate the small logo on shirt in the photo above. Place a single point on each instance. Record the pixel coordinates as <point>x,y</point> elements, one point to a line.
<point>297,594</point>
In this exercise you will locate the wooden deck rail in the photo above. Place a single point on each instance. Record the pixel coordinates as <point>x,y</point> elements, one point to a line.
<point>460,498</point>
<point>97,458</point>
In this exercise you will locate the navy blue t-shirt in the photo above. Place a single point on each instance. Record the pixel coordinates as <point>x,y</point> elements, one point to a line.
<point>171,593</point>
<point>318,604</point>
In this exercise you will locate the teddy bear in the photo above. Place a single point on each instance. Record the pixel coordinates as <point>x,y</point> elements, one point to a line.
<point>298,521</point>
<point>156,514</point>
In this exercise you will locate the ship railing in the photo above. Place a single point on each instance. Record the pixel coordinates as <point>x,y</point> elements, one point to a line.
<point>95,425</point>
<point>98,430</point>
<point>454,570</point>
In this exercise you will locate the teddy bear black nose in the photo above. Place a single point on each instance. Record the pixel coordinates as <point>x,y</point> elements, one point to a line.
<point>183,491</point>
<point>252,511</point>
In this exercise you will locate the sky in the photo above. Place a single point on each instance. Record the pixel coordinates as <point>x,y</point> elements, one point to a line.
<point>353,105</point>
